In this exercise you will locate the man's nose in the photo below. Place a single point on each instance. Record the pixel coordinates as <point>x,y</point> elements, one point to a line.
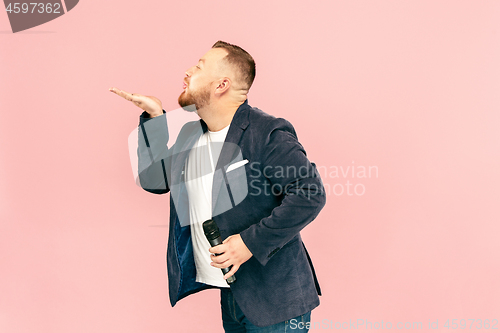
<point>189,71</point>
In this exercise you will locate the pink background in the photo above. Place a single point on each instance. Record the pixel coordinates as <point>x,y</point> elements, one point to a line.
<point>410,87</point>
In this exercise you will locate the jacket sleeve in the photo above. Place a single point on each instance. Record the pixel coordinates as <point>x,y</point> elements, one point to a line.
<point>287,168</point>
<point>152,152</point>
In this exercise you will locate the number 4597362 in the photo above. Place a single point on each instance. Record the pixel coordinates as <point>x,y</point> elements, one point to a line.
<point>42,8</point>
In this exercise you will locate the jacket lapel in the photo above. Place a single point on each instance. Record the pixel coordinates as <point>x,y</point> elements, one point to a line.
<point>179,156</point>
<point>230,150</point>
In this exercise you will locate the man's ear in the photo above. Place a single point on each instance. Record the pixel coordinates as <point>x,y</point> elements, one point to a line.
<point>223,85</point>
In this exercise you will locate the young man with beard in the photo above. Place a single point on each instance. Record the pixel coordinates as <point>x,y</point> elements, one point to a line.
<point>257,185</point>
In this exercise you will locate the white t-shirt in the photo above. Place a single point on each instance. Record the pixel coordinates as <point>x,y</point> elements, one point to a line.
<point>200,167</point>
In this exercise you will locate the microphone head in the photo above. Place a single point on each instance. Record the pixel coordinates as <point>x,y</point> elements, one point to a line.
<point>211,230</point>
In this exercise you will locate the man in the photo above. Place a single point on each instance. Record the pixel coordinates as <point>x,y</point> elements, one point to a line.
<point>257,185</point>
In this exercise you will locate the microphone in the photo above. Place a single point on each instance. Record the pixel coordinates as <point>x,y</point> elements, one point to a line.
<point>213,235</point>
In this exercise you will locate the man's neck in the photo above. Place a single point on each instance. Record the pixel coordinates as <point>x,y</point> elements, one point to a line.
<point>219,116</point>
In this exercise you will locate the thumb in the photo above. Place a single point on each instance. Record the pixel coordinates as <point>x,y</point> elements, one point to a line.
<point>227,239</point>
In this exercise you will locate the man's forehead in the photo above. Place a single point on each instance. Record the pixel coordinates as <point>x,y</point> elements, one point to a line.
<point>213,55</point>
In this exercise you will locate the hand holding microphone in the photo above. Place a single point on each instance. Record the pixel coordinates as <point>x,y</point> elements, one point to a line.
<point>213,236</point>
<point>234,250</point>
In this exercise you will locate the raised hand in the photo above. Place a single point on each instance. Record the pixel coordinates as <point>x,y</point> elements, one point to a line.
<point>150,104</point>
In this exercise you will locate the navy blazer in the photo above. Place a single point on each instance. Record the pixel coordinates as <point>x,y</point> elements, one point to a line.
<point>264,188</point>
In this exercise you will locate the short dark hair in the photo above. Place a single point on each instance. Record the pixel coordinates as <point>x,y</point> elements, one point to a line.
<point>241,60</point>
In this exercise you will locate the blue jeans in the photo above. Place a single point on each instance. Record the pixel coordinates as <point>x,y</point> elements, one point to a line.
<point>234,321</point>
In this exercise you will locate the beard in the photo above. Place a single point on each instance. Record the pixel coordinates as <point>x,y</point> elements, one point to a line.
<point>195,100</point>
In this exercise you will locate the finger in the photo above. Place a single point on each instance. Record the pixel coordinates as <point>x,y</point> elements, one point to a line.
<point>219,259</point>
<point>225,264</point>
<point>217,249</point>
<point>232,271</point>
<point>128,96</point>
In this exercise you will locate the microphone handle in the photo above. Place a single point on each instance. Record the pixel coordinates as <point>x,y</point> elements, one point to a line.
<point>215,242</point>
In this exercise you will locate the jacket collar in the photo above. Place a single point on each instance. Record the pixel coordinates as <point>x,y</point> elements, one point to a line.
<point>238,125</point>
<point>240,118</point>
